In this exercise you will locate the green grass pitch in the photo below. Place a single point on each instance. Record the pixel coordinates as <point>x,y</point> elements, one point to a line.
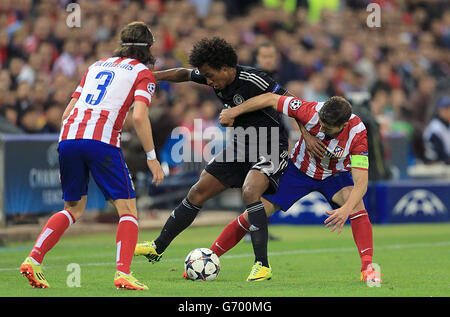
<point>307,261</point>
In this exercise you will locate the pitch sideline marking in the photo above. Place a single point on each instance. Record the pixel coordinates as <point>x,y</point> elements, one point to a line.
<point>245,255</point>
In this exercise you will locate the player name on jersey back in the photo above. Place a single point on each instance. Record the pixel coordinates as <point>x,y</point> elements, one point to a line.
<point>113,64</point>
<point>105,94</point>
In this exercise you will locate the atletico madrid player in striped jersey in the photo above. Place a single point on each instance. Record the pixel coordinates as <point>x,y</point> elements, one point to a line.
<point>90,143</point>
<point>341,175</point>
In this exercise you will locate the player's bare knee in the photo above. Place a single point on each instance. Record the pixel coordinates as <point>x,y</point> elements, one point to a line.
<point>346,191</point>
<point>359,206</point>
<point>126,207</point>
<point>342,195</point>
<point>250,194</point>
<point>76,213</point>
<point>197,194</point>
<point>76,208</point>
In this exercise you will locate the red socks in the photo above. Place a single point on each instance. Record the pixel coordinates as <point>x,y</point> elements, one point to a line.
<point>230,236</point>
<point>362,234</point>
<point>126,239</point>
<point>53,230</point>
<point>127,236</point>
<point>361,229</point>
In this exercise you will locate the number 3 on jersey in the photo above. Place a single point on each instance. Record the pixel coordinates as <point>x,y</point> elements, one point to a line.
<point>90,98</point>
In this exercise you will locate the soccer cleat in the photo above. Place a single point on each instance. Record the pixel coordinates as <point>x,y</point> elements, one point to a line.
<point>148,250</point>
<point>259,273</point>
<point>124,281</point>
<point>33,273</point>
<point>371,276</point>
<point>185,276</point>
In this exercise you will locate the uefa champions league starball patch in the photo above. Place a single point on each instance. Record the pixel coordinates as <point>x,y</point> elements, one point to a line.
<point>151,88</point>
<point>295,104</point>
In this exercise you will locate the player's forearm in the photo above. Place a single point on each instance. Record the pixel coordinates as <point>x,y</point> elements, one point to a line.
<point>361,180</point>
<point>142,126</point>
<point>173,74</point>
<point>144,132</point>
<point>302,128</point>
<point>257,103</point>
<point>69,108</point>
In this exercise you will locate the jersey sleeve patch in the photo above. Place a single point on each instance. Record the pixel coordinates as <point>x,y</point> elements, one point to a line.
<point>145,87</point>
<point>151,88</point>
<point>197,77</point>
<point>294,104</point>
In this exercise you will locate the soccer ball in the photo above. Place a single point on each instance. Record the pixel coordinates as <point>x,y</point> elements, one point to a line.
<point>202,264</point>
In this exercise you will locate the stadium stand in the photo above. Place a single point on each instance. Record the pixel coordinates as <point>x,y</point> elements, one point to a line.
<point>403,65</point>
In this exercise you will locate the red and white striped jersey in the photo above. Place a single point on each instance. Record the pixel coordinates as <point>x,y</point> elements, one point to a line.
<point>352,140</point>
<point>105,94</point>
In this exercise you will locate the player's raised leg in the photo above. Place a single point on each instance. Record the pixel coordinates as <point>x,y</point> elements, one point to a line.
<point>50,235</point>
<point>182,216</point>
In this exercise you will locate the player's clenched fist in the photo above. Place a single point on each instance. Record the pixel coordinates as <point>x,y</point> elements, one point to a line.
<point>226,117</point>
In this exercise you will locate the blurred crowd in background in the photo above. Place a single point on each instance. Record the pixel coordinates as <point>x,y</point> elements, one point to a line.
<point>315,48</point>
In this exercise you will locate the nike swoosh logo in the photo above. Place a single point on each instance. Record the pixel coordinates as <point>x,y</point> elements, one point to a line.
<point>217,245</point>
<point>362,251</point>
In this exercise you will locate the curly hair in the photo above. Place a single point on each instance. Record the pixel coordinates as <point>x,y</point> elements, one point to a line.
<point>336,111</point>
<point>215,52</point>
<point>136,32</point>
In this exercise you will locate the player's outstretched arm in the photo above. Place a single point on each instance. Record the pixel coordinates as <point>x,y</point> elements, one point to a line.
<point>227,116</point>
<point>144,131</point>
<point>174,75</point>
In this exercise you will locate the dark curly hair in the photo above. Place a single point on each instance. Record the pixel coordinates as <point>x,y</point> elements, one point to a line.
<point>136,32</point>
<point>336,111</point>
<point>215,52</point>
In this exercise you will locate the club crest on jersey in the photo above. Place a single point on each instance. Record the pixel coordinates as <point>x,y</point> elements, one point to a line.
<point>295,104</point>
<point>238,99</point>
<point>338,152</point>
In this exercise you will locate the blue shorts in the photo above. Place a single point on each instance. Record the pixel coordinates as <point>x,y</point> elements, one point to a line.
<point>105,163</point>
<point>295,184</point>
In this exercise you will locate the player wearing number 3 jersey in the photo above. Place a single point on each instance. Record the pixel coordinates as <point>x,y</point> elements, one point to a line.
<point>104,96</point>
<point>89,143</point>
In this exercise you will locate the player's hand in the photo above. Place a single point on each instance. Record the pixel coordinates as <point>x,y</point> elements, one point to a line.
<point>157,171</point>
<point>314,146</point>
<point>337,217</point>
<point>226,117</point>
